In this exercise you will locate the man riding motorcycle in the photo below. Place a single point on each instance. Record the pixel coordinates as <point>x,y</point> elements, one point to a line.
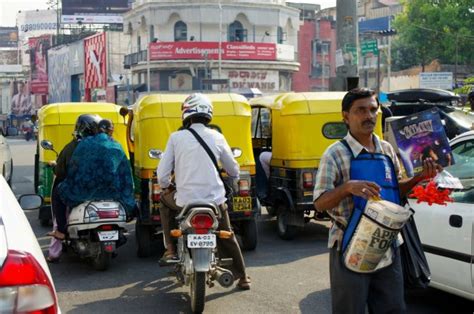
<point>98,170</point>
<point>197,178</point>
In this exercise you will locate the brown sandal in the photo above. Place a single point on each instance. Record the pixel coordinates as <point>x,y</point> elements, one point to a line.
<point>56,234</point>
<point>244,283</point>
<point>52,260</point>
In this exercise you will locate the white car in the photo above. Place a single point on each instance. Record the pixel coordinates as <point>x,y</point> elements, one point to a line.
<point>6,161</point>
<point>26,285</point>
<point>446,232</point>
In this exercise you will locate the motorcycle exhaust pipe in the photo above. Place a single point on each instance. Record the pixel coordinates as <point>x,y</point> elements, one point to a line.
<point>224,277</point>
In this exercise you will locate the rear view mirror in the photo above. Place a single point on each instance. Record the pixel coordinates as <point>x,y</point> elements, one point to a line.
<point>30,201</point>
<point>236,152</point>
<point>155,154</point>
<point>45,144</point>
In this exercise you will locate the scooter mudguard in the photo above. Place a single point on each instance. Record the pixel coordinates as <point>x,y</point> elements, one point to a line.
<point>201,259</point>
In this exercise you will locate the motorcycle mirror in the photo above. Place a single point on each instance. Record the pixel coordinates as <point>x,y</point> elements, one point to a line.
<point>236,152</point>
<point>155,154</point>
<point>123,111</point>
<point>30,201</point>
<point>47,145</point>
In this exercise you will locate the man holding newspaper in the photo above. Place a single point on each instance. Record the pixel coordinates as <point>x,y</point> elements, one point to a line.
<point>354,174</point>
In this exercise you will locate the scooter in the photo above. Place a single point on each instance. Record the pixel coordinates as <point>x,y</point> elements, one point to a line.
<point>95,228</point>
<point>197,263</point>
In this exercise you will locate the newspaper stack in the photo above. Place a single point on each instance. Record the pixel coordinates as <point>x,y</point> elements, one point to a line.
<point>378,227</point>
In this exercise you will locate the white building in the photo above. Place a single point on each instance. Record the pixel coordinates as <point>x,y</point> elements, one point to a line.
<point>257,48</point>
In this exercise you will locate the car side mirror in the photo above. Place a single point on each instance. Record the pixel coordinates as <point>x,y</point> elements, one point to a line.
<point>30,201</point>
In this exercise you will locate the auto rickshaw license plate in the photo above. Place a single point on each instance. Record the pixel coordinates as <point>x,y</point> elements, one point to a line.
<point>241,204</point>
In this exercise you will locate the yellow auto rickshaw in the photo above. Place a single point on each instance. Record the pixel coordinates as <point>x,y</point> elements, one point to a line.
<point>56,124</point>
<point>302,126</point>
<point>151,121</point>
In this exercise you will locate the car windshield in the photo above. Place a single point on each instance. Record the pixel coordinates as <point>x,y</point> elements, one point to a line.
<point>464,170</point>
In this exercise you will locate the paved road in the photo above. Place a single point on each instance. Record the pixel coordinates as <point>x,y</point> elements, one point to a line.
<point>288,277</point>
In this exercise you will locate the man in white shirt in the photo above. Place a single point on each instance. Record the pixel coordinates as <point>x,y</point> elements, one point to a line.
<point>196,177</point>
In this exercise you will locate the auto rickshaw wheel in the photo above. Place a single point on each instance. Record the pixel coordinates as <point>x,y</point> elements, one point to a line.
<point>285,231</point>
<point>143,234</point>
<point>249,234</point>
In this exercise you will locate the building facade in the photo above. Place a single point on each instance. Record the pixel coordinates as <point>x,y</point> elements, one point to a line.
<point>317,50</point>
<point>246,44</point>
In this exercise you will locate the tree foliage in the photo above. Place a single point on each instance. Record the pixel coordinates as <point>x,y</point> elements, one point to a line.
<point>434,29</point>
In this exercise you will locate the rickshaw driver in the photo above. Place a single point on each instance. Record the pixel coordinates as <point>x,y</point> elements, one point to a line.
<point>382,291</point>
<point>197,178</point>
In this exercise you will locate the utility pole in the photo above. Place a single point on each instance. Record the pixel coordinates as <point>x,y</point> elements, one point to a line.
<point>220,42</point>
<point>347,33</point>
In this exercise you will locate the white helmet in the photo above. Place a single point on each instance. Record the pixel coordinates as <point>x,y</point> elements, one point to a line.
<point>196,105</point>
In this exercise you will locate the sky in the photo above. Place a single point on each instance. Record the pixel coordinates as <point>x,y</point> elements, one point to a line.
<point>9,8</point>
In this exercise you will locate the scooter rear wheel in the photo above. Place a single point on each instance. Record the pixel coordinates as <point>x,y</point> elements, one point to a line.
<point>198,292</point>
<point>102,261</point>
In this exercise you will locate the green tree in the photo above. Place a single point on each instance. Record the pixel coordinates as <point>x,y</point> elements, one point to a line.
<point>434,29</point>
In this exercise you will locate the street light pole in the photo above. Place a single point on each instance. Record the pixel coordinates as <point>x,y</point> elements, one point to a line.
<point>220,42</point>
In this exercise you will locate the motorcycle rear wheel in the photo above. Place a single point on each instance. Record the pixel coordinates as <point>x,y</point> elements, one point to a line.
<point>102,261</point>
<point>198,292</point>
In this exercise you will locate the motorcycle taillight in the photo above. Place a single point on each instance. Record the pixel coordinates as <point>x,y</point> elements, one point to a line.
<point>104,214</point>
<point>202,223</point>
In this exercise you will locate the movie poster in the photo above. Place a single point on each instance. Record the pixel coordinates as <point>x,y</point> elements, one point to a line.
<point>21,99</point>
<point>39,63</point>
<point>420,136</point>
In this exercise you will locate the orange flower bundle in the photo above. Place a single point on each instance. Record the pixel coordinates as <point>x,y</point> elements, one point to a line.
<point>431,194</point>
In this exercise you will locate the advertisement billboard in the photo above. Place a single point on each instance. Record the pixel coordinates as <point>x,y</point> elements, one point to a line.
<point>441,80</point>
<point>59,75</point>
<point>8,37</point>
<point>38,47</point>
<point>93,11</point>
<point>34,23</point>
<point>20,98</point>
<point>95,65</point>
<point>198,50</point>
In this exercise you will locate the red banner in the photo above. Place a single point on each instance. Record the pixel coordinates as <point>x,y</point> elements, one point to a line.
<point>198,50</point>
<point>38,61</point>
<point>95,61</point>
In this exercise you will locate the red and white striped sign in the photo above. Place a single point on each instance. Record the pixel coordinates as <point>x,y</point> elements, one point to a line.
<point>95,61</point>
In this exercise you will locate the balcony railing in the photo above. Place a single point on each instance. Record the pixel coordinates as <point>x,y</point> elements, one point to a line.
<point>134,58</point>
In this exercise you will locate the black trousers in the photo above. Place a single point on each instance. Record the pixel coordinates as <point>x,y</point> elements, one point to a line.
<point>381,291</point>
<point>59,209</point>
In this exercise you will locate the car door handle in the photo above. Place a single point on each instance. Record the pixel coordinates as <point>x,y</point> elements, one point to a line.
<point>455,221</point>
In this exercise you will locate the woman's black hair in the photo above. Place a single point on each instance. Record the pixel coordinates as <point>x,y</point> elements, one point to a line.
<point>357,93</point>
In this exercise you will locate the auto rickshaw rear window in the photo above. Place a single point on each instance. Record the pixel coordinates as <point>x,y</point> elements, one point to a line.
<point>335,130</point>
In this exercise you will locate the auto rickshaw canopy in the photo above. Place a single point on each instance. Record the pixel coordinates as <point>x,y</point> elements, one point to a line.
<point>56,123</point>
<point>156,116</point>
<point>304,125</point>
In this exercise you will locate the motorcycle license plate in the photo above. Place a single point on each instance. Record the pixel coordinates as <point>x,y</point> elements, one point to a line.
<point>201,241</point>
<point>241,204</point>
<point>108,235</point>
